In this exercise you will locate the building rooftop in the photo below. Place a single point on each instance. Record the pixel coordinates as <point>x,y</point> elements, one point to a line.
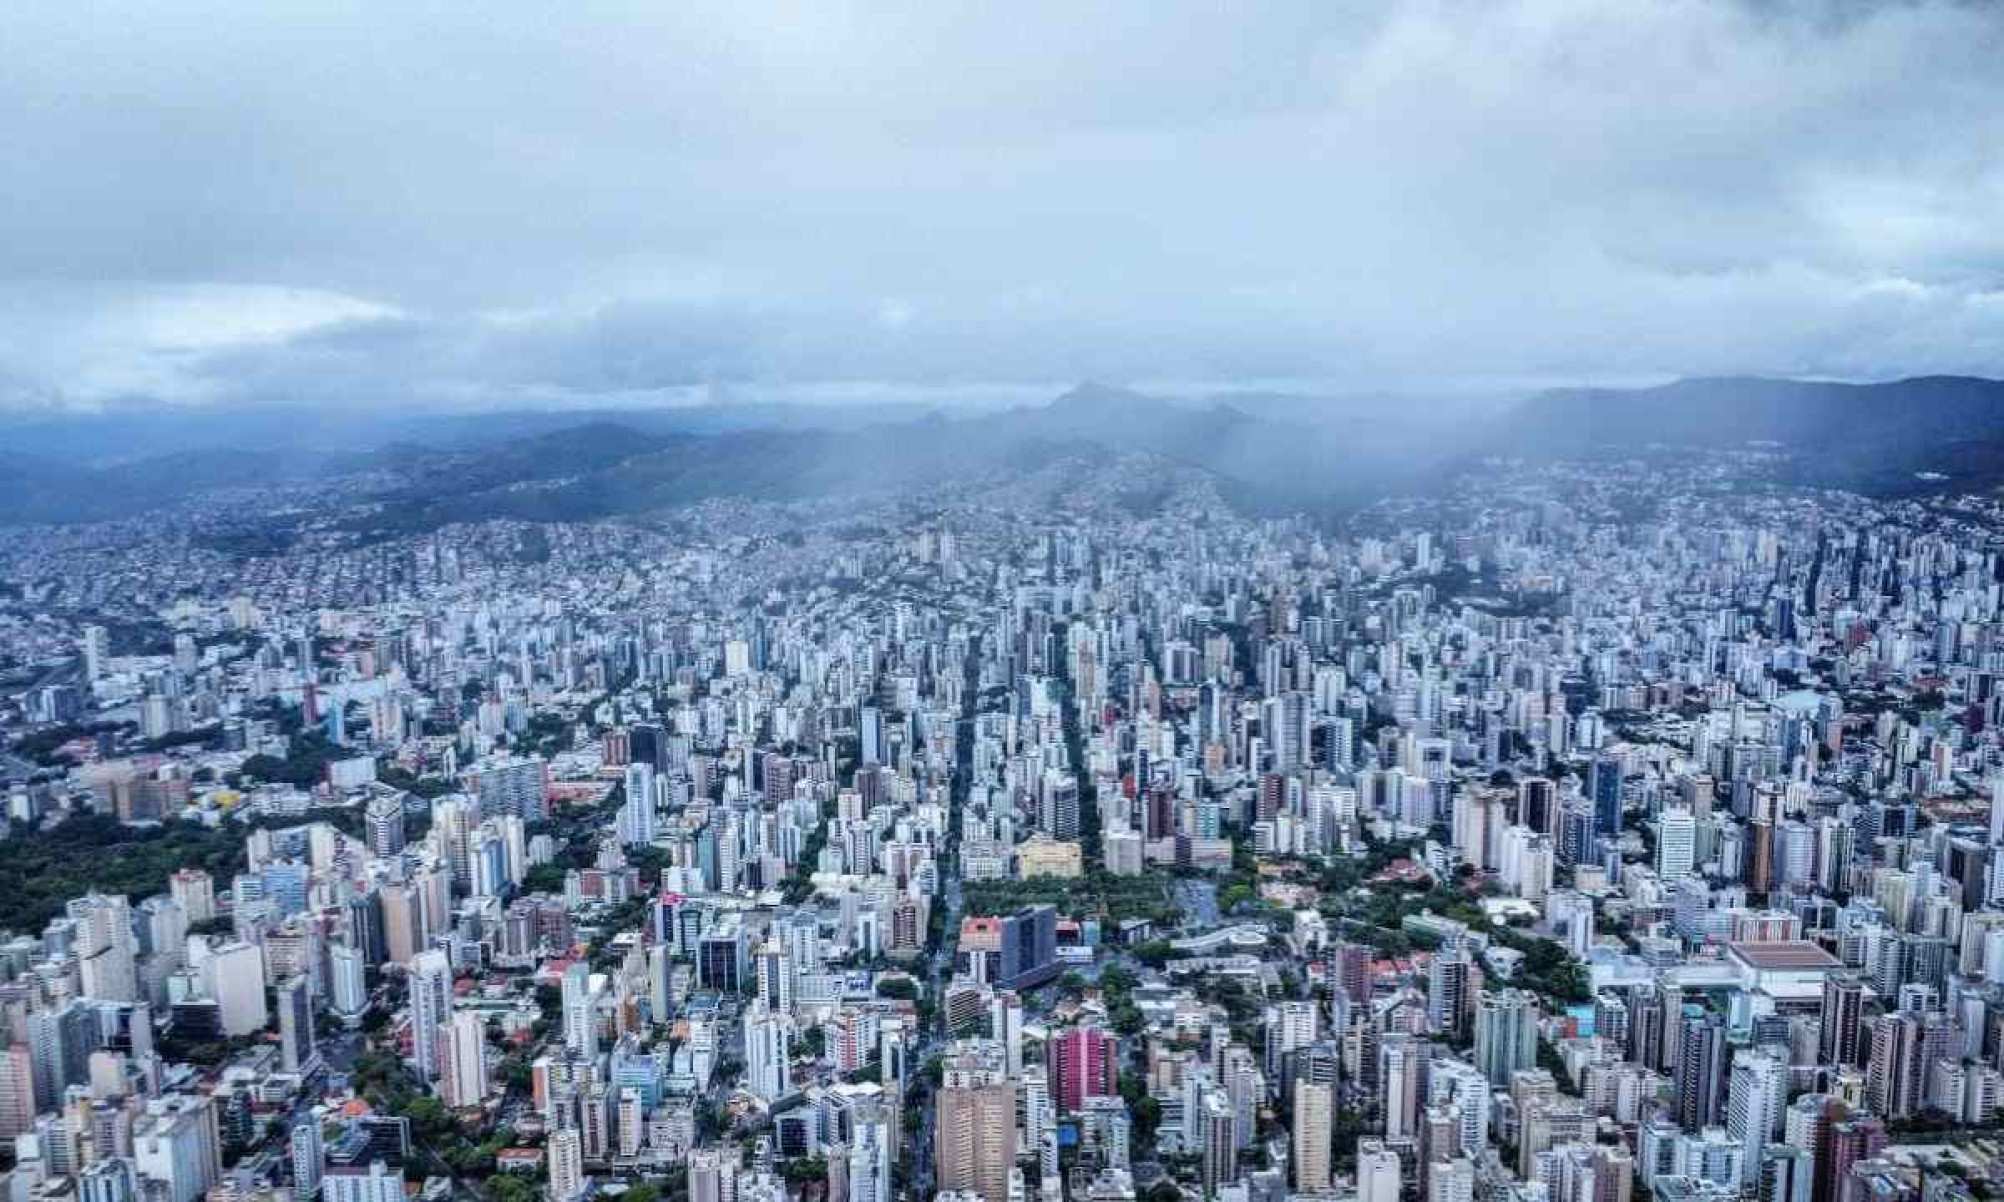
<point>1784,955</point>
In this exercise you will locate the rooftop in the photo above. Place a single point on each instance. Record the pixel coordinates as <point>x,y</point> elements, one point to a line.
<point>1783,955</point>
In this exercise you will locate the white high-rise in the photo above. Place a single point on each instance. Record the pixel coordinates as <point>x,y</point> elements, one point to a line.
<point>351,980</point>
<point>636,815</point>
<point>1378,1178</point>
<point>106,954</point>
<point>463,1081</point>
<point>869,1158</point>
<point>234,976</point>
<point>567,1177</point>
<point>1755,1095</point>
<point>580,1010</point>
<point>431,1006</point>
<point>767,1072</point>
<point>309,1157</point>
<point>775,977</point>
<point>1676,844</point>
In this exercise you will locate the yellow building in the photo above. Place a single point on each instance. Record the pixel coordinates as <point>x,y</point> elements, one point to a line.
<point>1041,855</point>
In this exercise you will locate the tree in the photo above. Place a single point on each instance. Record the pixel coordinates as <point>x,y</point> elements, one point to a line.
<point>901,988</point>
<point>508,1187</point>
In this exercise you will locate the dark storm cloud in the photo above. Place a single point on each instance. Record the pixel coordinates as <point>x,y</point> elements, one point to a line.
<point>429,203</point>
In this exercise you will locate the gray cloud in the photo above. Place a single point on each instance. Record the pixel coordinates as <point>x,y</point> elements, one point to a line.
<point>254,201</point>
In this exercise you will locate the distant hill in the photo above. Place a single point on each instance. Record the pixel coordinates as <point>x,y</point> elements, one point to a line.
<point>1872,437</point>
<point>1270,453</point>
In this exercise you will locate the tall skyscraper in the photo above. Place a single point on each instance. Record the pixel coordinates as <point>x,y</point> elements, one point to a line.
<point>195,890</point>
<point>1506,1033</point>
<point>1398,1082</point>
<point>295,1025</point>
<point>870,1156</point>
<point>1701,1064</point>
<point>567,1179</point>
<point>235,979</point>
<point>1218,1141</point>
<point>580,1014</point>
<point>975,1123</point>
<point>431,1006</point>
<point>17,1090</point>
<point>383,819</point>
<point>636,812</point>
<point>309,1157</point>
<point>1083,1063</point>
<point>106,953</point>
<point>96,653</point>
<point>1378,1174</point>
<point>1314,1118</point>
<point>1754,1099</point>
<point>1843,1007</point>
<point>767,1070</point>
<point>463,1060</point>
<point>1447,992</point>
<point>350,983</point>
<point>1676,844</point>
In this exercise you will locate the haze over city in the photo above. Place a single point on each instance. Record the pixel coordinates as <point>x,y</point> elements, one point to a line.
<point>1040,603</point>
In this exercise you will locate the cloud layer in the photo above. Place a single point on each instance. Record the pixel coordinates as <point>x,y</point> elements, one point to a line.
<point>515,203</point>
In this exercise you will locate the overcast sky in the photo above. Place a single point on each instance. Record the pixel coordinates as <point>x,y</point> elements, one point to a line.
<point>513,203</point>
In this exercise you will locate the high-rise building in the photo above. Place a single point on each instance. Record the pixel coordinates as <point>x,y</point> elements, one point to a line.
<point>775,976</point>
<point>195,890</point>
<point>96,653</point>
<point>1447,992</point>
<point>1754,1099</point>
<point>178,1143</point>
<point>636,811</point>
<point>871,1154</point>
<point>106,952</point>
<point>1843,1007</point>
<point>350,981</point>
<point>767,1072</point>
<point>383,819</point>
<point>580,1014</point>
<point>1454,1181</point>
<point>975,1123</point>
<point>511,786</point>
<point>235,979</point>
<point>1217,1133</point>
<point>1290,1026</point>
<point>1904,1047</point>
<point>60,1041</point>
<point>1314,1119</point>
<point>17,1090</point>
<point>1506,1033</point>
<point>463,1060</point>
<point>431,1007</point>
<point>566,1152</point>
<point>1700,1069</point>
<point>1676,844</point>
<point>309,1156</point>
<point>1398,1084</point>
<point>1378,1173</point>
<point>1604,784</point>
<point>110,1180</point>
<point>376,1181</point>
<point>1083,1062</point>
<point>1845,1143</point>
<point>295,1025</point>
<point>1787,1174</point>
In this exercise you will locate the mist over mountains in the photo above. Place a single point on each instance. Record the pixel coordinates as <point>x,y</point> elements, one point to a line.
<point>1264,452</point>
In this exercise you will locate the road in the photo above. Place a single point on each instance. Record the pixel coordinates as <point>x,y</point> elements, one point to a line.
<point>939,971</point>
